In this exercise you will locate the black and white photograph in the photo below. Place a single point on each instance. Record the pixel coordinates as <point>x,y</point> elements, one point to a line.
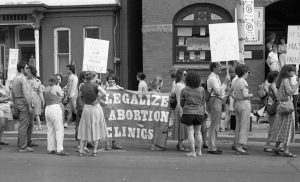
<point>149,90</point>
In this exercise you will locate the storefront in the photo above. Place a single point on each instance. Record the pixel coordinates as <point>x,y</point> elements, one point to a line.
<point>175,34</point>
<point>50,34</point>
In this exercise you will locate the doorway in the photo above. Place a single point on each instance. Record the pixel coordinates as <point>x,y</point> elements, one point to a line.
<point>26,52</point>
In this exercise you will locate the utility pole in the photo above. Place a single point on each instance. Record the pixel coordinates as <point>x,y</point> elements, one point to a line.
<point>241,29</point>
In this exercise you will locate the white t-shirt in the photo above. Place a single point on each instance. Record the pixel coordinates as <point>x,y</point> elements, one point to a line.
<point>294,82</point>
<point>142,86</point>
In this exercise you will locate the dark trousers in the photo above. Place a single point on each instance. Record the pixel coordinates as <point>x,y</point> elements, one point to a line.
<point>295,100</point>
<point>25,124</point>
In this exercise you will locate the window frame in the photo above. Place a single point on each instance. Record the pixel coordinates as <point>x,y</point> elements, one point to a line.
<point>87,27</point>
<point>197,23</point>
<point>56,30</point>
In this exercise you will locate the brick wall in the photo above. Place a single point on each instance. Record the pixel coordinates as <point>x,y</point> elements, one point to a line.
<point>158,36</point>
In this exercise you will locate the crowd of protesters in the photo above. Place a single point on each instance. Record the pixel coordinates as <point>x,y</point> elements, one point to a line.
<point>195,102</point>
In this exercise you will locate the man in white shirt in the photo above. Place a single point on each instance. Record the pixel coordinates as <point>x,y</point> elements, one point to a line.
<point>214,105</point>
<point>72,93</point>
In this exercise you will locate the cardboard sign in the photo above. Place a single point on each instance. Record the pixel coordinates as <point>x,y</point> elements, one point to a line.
<point>136,116</point>
<point>293,45</point>
<point>12,63</point>
<point>224,42</point>
<point>95,55</point>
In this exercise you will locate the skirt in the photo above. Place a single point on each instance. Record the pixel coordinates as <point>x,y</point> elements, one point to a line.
<point>92,125</point>
<point>179,131</point>
<point>37,106</point>
<point>283,129</point>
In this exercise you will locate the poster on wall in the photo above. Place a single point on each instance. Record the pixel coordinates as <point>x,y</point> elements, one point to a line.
<point>196,44</point>
<point>259,26</point>
<point>224,43</point>
<point>95,55</point>
<point>249,19</point>
<point>293,45</point>
<point>12,63</point>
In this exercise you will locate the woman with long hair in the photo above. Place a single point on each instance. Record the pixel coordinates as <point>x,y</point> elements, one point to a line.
<point>37,96</point>
<point>179,130</point>
<point>192,100</point>
<point>272,92</point>
<point>283,130</point>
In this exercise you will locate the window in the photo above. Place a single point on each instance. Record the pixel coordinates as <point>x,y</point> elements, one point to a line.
<point>62,49</point>
<point>191,33</point>
<point>91,32</point>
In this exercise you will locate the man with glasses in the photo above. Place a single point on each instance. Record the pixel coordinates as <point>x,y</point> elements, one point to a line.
<point>214,105</point>
<point>23,108</point>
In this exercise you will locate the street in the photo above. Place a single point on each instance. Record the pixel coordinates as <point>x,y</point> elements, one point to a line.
<point>137,163</point>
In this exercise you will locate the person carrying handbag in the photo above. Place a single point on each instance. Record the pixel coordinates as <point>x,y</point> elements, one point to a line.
<point>283,130</point>
<point>271,106</point>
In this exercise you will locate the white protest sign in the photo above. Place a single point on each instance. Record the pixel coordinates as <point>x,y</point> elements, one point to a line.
<point>12,63</point>
<point>224,44</point>
<point>95,55</point>
<point>293,45</point>
<point>249,19</point>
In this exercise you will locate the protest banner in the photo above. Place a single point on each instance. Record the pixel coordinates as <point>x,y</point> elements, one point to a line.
<point>95,55</point>
<point>224,42</point>
<point>136,116</point>
<point>12,63</point>
<point>293,45</point>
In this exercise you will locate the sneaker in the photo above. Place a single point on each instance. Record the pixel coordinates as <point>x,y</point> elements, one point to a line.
<point>27,149</point>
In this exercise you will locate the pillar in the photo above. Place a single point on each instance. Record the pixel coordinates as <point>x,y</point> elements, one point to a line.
<point>241,28</point>
<point>38,15</point>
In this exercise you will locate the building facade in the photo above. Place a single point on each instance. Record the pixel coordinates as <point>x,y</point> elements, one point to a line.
<point>50,34</point>
<point>175,34</point>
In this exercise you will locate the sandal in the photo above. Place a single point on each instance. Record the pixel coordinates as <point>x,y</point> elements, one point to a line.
<point>80,154</point>
<point>191,154</point>
<point>277,152</point>
<point>241,152</point>
<point>116,147</point>
<point>288,154</point>
<point>267,149</point>
<point>3,143</point>
<point>94,154</point>
<point>156,148</point>
<point>180,148</point>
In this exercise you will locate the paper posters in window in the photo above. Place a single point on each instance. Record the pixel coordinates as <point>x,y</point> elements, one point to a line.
<point>95,55</point>
<point>192,55</point>
<point>181,55</point>
<point>12,63</point>
<point>202,54</point>
<point>202,31</point>
<point>184,32</point>
<point>224,44</point>
<point>196,44</point>
<point>181,41</point>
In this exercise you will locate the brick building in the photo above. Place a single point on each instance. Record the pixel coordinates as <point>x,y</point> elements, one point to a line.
<point>170,28</point>
<point>52,33</point>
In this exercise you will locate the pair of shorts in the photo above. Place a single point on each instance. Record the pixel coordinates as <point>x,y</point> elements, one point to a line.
<point>192,119</point>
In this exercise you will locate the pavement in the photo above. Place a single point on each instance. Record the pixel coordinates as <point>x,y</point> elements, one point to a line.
<point>136,163</point>
<point>258,133</point>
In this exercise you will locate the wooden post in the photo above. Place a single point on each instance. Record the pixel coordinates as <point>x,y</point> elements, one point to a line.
<point>241,28</point>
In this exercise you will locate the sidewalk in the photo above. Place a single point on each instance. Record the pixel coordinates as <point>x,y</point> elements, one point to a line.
<point>258,133</point>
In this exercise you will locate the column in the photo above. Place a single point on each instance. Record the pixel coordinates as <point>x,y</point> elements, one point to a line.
<point>37,50</point>
<point>241,28</point>
<point>38,15</point>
